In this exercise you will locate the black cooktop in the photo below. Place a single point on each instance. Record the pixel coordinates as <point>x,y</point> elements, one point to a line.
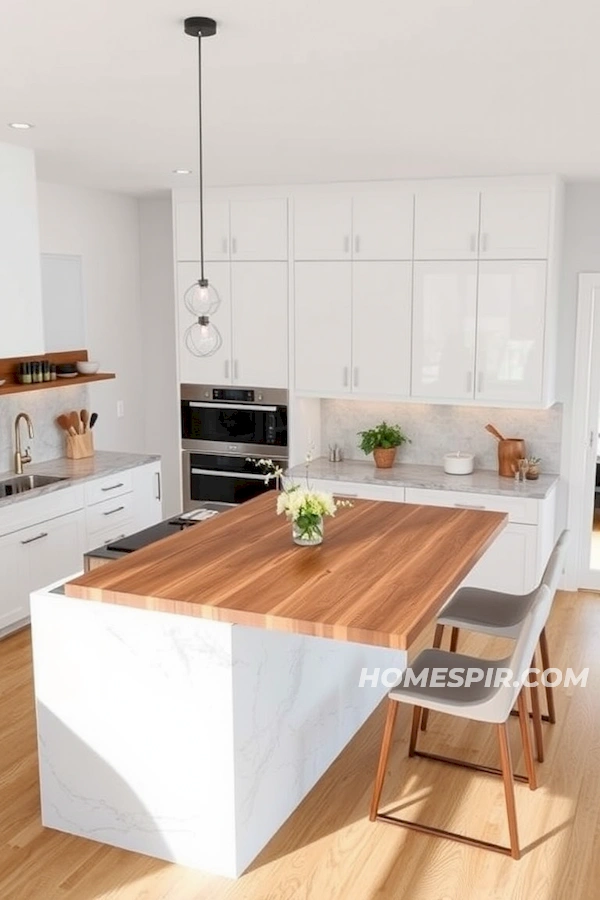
<point>140,539</point>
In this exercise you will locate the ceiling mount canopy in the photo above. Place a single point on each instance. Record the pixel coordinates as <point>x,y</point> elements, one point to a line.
<point>202,338</point>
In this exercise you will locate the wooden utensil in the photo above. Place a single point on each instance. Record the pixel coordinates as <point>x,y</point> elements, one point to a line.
<point>75,421</point>
<point>494,431</point>
<point>64,422</point>
<point>85,418</point>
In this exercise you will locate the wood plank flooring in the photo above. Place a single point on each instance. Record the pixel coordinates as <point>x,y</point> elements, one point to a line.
<point>328,850</point>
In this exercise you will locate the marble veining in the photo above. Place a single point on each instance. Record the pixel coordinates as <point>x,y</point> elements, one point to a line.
<point>481,481</point>
<point>436,429</point>
<point>75,471</point>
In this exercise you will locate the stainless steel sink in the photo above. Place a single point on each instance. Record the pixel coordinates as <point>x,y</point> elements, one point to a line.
<point>21,483</point>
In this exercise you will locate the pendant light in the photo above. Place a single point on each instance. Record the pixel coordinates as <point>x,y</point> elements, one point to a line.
<point>202,338</point>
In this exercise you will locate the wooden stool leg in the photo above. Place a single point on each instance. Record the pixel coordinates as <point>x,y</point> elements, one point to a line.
<point>509,790</point>
<point>537,717</point>
<point>526,739</point>
<point>414,731</point>
<point>386,743</point>
<point>437,642</point>
<point>454,640</point>
<point>546,665</point>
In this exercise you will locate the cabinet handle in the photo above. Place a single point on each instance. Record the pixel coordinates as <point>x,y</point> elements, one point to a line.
<point>38,537</point>
<point>158,487</point>
<point>472,244</point>
<point>111,512</point>
<point>484,242</point>
<point>113,487</point>
<point>469,382</point>
<point>346,244</point>
<point>226,369</point>
<point>480,382</point>
<point>233,246</point>
<point>355,376</point>
<point>224,243</point>
<point>236,370</point>
<point>345,376</point>
<point>357,244</point>
<point>468,506</point>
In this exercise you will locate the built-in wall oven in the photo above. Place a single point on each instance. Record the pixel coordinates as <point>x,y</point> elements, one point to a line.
<point>224,430</point>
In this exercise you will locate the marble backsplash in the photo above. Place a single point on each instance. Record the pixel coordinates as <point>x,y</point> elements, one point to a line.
<point>43,407</point>
<point>435,430</point>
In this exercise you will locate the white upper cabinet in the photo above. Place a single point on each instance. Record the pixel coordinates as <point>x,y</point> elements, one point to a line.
<point>515,223</point>
<point>214,369</point>
<point>443,334</point>
<point>323,326</point>
<point>216,230</point>
<point>259,292</point>
<point>240,230</point>
<point>382,226</point>
<point>323,226</point>
<point>446,223</point>
<point>381,318</point>
<point>510,331</point>
<point>259,229</point>
<point>22,330</point>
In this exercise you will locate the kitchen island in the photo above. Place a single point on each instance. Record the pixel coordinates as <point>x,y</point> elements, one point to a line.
<point>189,696</point>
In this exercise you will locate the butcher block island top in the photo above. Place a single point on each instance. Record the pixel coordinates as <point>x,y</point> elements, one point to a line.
<point>382,573</point>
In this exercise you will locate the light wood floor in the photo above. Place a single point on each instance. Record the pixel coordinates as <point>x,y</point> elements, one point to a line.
<point>328,850</point>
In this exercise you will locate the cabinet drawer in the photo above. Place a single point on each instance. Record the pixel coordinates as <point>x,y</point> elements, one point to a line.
<point>519,509</point>
<point>107,488</point>
<point>112,518</point>
<point>358,490</point>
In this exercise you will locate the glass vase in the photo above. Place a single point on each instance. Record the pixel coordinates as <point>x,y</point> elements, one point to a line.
<point>308,537</point>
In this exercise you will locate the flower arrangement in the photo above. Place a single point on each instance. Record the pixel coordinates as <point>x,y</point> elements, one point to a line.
<point>304,507</point>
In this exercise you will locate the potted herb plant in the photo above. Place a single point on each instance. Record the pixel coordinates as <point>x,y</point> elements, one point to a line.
<point>383,442</point>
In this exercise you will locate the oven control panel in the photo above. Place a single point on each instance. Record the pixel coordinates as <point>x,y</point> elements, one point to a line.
<point>235,396</point>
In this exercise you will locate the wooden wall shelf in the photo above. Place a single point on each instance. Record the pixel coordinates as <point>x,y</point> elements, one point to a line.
<point>9,366</point>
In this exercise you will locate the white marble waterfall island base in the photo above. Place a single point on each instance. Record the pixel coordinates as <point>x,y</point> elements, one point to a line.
<point>190,695</point>
<point>182,738</point>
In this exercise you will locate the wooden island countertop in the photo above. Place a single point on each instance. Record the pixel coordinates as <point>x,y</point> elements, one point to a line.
<point>382,573</point>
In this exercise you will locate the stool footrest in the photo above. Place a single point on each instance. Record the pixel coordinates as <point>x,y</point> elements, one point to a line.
<point>440,832</point>
<point>544,717</point>
<point>488,770</point>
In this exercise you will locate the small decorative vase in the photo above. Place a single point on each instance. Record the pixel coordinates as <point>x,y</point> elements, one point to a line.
<point>532,473</point>
<point>308,538</point>
<point>384,457</point>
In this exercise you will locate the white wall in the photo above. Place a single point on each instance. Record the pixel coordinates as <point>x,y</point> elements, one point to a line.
<point>161,397</point>
<point>103,229</point>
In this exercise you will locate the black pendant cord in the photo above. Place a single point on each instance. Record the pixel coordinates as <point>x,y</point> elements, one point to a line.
<point>201,219</point>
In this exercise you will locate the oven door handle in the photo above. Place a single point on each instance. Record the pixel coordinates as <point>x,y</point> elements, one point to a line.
<point>251,407</point>
<point>248,476</point>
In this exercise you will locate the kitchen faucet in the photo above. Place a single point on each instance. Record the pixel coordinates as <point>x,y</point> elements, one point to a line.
<point>21,457</point>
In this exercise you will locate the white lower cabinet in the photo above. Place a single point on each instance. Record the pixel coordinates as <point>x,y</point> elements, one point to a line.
<point>356,490</point>
<point>147,495</point>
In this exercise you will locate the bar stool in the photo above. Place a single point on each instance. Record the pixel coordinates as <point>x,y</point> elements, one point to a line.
<point>501,615</point>
<point>477,702</point>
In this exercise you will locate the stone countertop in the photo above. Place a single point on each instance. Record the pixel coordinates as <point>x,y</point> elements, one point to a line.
<point>76,471</point>
<point>481,481</point>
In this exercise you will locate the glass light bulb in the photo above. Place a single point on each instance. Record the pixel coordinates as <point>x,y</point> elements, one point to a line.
<point>201,299</point>
<point>203,338</point>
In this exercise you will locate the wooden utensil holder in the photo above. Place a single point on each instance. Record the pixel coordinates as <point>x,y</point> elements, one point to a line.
<point>510,451</point>
<point>80,445</point>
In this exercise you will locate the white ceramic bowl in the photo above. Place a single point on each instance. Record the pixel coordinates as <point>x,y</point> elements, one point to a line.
<point>459,463</point>
<point>87,367</point>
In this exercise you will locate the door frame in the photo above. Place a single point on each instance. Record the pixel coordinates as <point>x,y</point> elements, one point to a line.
<point>584,430</point>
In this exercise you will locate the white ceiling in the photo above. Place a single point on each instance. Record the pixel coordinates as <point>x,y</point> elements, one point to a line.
<point>299,90</point>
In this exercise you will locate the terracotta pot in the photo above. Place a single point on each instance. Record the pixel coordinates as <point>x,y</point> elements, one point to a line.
<point>384,457</point>
<point>532,473</point>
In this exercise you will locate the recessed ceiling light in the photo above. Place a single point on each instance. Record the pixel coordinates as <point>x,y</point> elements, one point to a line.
<point>182,171</point>
<point>20,125</point>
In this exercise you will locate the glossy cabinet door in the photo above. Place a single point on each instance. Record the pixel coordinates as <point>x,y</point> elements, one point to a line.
<point>446,223</point>
<point>14,600</point>
<point>147,495</point>
<point>509,563</point>
<point>515,223</point>
<point>381,321</point>
<point>259,229</point>
<point>323,226</point>
<point>52,550</point>
<point>382,226</point>
<point>259,292</point>
<point>216,230</point>
<point>214,369</point>
<point>443,334</point>
<point>510,330</point>
<point>323,326</point>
